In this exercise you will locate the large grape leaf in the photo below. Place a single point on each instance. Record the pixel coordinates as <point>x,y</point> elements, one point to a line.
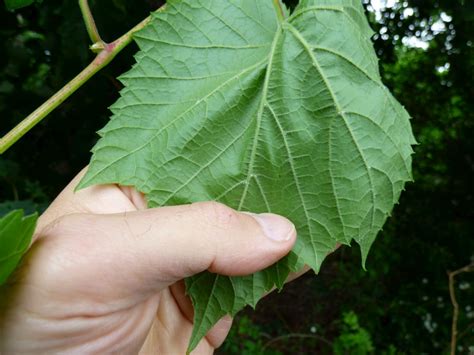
<point>15,238</point>
<point>228,103</point>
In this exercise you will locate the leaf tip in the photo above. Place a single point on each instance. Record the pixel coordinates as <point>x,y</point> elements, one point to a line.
<point>193,343</point>
<point>364,251</point>
<point>84,182</point>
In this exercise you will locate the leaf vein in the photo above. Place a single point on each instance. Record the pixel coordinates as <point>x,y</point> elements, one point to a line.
<point>339,110</point>
<point>297,183</point>
<point>260,115</point>
<point>93,176</point>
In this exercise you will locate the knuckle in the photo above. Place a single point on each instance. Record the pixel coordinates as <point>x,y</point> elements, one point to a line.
<point>215,214</point>
<point>64,251</point>
<point>47,260</point>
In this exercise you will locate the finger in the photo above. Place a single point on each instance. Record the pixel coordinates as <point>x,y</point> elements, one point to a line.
<point>170,332</point>
<point>217,334</point>
<point>149,250</point>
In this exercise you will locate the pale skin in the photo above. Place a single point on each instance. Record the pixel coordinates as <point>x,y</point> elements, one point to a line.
<point>104,274</point>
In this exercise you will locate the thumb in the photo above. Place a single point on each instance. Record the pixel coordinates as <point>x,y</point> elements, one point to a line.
<point>151,249</point>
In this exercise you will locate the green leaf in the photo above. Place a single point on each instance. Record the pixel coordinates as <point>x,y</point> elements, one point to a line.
<point>16,4</point>
<point>15,238</point>
<point>226,103</point>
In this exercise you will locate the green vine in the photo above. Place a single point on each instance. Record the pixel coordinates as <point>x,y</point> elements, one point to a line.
<point>105,53</point>
<point>90,23</point>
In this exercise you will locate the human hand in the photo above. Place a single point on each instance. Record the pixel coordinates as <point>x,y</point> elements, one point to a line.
<point>104,275</point>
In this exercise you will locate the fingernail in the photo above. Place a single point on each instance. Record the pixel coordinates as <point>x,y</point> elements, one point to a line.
<point>275,227</point>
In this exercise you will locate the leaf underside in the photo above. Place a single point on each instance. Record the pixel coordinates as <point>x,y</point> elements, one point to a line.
<point>227,103</point>
<point>15,237</point>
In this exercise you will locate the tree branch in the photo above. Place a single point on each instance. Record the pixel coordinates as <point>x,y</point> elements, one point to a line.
<point>104,57</point>
<point>454,302</point>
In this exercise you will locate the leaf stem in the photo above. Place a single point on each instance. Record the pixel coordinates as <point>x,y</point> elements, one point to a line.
<point>90,23</point>
<point>279,10</point>
<point>104,57</point>
<point>454,302</point>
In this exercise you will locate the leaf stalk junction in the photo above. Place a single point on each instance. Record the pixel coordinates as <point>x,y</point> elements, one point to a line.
<point>279,10</point>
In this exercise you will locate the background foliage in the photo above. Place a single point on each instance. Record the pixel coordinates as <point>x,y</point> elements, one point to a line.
<point>401,304</point>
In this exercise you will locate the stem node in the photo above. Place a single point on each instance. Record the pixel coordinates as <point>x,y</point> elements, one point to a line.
<point>98,47</point>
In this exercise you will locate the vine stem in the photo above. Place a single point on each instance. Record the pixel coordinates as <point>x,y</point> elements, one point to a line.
<point>90,23</point>
<point>279,10</point>
<point>454,302</point>
<point>103,57</point>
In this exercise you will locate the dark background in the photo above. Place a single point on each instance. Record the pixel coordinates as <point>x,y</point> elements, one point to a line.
<point>401,304</point>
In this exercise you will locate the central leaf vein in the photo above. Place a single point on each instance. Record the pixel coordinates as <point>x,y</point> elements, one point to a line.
<point>260,115</point>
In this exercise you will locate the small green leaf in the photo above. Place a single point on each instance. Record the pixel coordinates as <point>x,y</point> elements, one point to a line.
<point>15,238</point>
<point>16,4</point>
